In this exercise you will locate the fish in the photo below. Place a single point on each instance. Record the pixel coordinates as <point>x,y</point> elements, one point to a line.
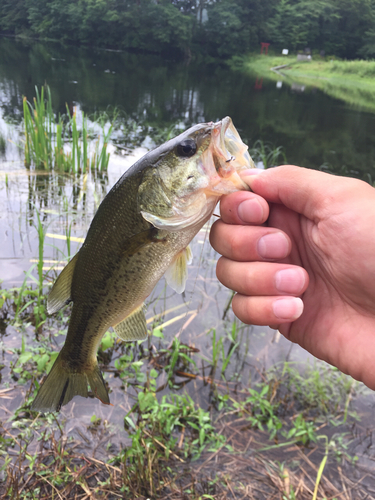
<point>140,232</point>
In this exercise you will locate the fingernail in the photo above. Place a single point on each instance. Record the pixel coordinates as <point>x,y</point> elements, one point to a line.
<point>289,309</point>
<point>290,280</point>
<point>273,246</point>
<point>250,211</point>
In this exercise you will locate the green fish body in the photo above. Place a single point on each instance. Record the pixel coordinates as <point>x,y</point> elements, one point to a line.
<point>140,232</point>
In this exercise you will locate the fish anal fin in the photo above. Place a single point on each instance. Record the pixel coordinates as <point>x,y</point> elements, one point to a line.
<point>133,327</point>
<point>188,255</point>
<point>61,290</point>
<point>62,384</point>
<point>177,273</point>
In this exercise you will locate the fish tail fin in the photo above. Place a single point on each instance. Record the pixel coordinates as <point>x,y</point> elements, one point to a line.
<point>62,384</point>
<point>97,385</point>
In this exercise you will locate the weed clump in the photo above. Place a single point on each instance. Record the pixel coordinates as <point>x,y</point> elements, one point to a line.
<point>267,155</point>
<point>60,144</point>
<point>360,68</point>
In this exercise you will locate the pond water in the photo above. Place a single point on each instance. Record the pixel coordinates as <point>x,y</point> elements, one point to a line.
<point>314,129</point>
<point>153,96</point>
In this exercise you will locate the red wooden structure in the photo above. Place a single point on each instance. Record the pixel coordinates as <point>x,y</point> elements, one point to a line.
<point>265,46</point>
<point>258,84</point>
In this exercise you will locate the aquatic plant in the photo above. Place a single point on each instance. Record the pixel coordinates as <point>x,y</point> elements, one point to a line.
<point>38,123</point>
<point>2,144</point>
<point>165,432</point>
<point>267,154</point>
<point>60,143</point>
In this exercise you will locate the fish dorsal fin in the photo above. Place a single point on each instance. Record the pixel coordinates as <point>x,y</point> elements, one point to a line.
<point>60,293</point>
<point>177,273</point>
<point>133,327</point>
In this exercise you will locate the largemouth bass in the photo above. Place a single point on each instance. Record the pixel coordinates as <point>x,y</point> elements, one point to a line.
<point>141,231</point>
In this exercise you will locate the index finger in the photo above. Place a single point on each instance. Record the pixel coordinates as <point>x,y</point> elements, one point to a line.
<point>305,191</point>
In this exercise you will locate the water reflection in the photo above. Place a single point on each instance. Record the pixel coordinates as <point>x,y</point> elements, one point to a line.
<point>309,124</point>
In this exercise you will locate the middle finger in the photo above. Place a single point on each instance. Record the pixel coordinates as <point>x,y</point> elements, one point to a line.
<point>249,243</point>
<point>262,278</point>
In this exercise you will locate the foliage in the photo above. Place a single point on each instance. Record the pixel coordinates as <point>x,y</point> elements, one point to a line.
<point>267,154</point>
<point>259,410</point>
<point>349,81</point>
<point>286,404</point>
<point>62,144</point>
<point>218,28</point>
<point>166,419</point>
<point>2,145</point>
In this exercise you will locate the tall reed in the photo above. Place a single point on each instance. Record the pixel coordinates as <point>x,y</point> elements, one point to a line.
<point>39,310</point>
<point>2,144</point>
<point>266,153</point>
<point>38,121</point>
<point>60,143</point>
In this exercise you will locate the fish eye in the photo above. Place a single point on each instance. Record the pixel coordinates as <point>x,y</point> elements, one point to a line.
<point>186,148</point>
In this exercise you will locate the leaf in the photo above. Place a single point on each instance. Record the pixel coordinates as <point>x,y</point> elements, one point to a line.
<point>158,333</point>
<point>25,357</point>
<point>130,422</point>
<point>42,361</point>
<point>107,341</point>
<point>146,400</point>
<point>264,391</point>
<point>52,360</point>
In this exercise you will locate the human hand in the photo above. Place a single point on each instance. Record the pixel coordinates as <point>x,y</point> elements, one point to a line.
<point>300,253</point>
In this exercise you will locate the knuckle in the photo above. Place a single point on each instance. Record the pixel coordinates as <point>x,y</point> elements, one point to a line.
<point>220,268</point>
<point>235,243</point>
<point>247,279</point>
<point>217,235</point>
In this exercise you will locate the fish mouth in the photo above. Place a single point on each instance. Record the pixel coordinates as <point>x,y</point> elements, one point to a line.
<point>230,143</point>
<point>230,156</point>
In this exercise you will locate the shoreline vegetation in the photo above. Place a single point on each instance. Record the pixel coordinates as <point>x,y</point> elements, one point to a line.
<point>207,28</point>
<point>286,432</point>
<point>190,420</point>
<point>350,81</point>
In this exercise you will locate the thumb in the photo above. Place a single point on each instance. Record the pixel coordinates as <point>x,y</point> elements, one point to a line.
<point>300,189</point>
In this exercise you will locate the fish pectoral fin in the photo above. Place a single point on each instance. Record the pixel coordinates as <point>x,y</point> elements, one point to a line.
<point>174,223</point>
<point>177,273</point>
<point>61,290</point>
<point>133,327</point>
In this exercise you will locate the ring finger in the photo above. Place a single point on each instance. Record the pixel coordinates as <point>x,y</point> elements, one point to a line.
<point>262,278</point>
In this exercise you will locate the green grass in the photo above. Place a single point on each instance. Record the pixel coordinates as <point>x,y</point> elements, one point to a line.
<point>52,142</point>
<point>171,427</point>
<point>286,406</point>
<point>267,154</point>
<point>2,144</point>
<point>357,70</point>
<point>350,81</point>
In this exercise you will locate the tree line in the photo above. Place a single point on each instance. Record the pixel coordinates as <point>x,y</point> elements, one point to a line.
<point>213,28</point>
